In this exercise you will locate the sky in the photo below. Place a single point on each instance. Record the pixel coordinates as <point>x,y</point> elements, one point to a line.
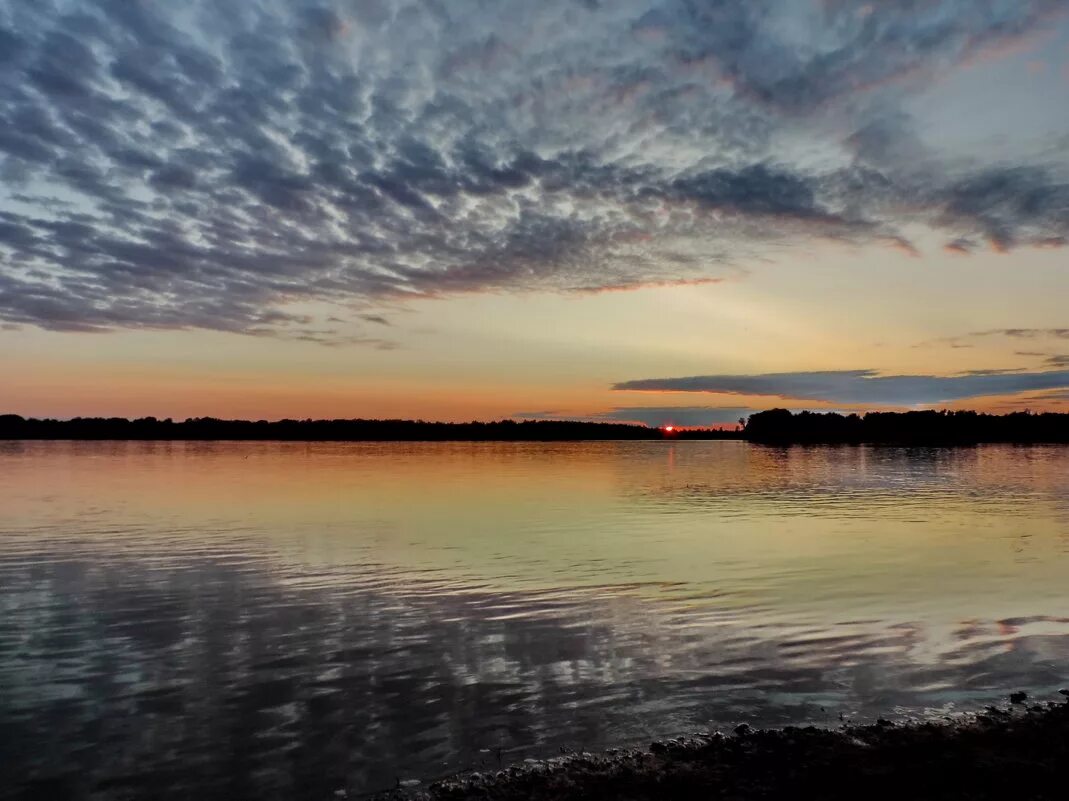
<point>674,212</point>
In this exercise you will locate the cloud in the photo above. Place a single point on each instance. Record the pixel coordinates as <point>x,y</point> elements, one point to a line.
<point>654,416</point>
<point>1007,206</point>
<point>960,247</point>
<point>993,371</point>
<point>1025,333</point>
<point>859,386</point>
<point>540,414</point>
<point>1049,359</point>
<point>377,319</point>
<point>1012,333</point>
<point>170,165</point>
<point>685,416</point>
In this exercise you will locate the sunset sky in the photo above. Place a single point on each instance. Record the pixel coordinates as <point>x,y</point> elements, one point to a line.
<point>664,212</point>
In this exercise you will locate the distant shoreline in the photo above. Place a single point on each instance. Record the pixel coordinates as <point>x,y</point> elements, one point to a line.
<point>13,427</point>
<point>775,427</point>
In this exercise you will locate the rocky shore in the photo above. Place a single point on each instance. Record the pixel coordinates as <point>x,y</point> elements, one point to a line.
<point>1018,752</point>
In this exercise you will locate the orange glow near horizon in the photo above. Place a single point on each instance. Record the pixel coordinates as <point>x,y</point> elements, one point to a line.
<point>484,357</point>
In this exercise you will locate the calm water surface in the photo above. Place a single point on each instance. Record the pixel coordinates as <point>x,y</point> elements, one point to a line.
<point>276,621</point>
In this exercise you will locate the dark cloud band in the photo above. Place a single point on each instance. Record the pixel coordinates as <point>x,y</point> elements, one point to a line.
<point>860,386</point>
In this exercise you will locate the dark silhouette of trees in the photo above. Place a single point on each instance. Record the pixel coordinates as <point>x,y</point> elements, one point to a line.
<point>210,428</point>
<point>778,426</point>
<point>920,427</point>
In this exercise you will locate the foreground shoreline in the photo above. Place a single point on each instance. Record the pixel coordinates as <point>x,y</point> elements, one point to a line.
<point>1017,752</point>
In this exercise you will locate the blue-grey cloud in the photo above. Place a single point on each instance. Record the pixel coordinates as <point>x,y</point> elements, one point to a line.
<point>202,165</point>
<point>1011,333</point>
<point>860,386</point>
<point>377,319</point>
<point>1025,333</point>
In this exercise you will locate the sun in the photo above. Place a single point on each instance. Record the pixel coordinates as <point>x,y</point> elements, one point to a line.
<point>669,429</point>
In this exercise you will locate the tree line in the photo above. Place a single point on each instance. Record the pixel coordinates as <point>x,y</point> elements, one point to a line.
<point>210,428</point>
<point>916,427</point>
<point>775,426</point>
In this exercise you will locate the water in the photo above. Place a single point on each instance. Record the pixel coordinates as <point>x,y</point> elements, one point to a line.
<point>282,621</point>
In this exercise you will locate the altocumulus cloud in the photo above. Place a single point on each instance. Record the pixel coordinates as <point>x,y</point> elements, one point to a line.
<point>860,386</point>
<point>195,164</point>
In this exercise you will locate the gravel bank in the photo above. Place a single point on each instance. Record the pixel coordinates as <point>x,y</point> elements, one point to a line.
<point>1021,752</point>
